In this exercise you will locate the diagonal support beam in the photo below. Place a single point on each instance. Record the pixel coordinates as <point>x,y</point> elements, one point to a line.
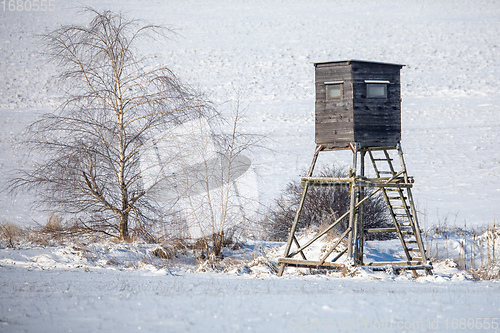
<point>330,227</point>
<point>322,260</point>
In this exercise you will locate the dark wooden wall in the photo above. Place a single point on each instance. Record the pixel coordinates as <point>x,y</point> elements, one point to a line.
<point>377,121</point>
<point>354,117</point>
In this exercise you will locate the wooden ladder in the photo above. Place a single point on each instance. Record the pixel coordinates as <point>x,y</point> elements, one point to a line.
<point>401,207</point>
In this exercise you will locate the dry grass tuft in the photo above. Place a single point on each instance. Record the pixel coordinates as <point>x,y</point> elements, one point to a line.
<point>349,270</point>
<point>54,223</point>
<point>487,272</point>
<point>331,235</point>
<point>11,234</point>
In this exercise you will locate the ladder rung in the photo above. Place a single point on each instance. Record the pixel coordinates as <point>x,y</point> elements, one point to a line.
<point>410,241</point>
<point>410,233</point>
<point>408,264</point>
<point>382,159</point>
<point>387,172</point>
<point>405,224</point>
<point>398,207</point>
<point>396,198</point>
<point>402,215</point>
<point>416,249</point>
<point>376,230</point>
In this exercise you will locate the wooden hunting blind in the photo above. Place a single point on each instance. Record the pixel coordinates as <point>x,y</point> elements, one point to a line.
<point>357,101</point>
<point>358,107</point>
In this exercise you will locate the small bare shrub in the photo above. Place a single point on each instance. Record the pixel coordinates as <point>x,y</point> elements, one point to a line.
<point>323,205</point>
<point>212,247</point>
<point>164,252</point>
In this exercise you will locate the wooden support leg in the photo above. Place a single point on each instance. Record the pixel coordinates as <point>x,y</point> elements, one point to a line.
<point>352,206</point>
<point>360,217</point>
<point>291,237</point>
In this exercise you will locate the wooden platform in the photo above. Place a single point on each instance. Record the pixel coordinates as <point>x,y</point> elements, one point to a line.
<point>378,265</point>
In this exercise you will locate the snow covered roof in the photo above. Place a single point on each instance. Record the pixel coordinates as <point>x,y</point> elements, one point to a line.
<point>347,62</point>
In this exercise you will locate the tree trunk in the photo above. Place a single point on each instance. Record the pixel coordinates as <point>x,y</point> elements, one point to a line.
<point>124,227</point>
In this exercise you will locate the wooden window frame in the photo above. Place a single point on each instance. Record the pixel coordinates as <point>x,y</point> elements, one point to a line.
<point>337,84</point>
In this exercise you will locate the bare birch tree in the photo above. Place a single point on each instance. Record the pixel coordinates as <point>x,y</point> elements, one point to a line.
<point>88,151</point>
<point>224,198</point>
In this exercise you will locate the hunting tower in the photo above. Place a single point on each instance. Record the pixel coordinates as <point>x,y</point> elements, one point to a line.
<point>358,107</point>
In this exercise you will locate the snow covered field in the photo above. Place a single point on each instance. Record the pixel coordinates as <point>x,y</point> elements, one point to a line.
<point>123,287</point>
<point>451,126</point>
<point>131,301</point>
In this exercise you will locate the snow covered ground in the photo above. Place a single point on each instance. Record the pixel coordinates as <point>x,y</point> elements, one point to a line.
<point>451,126</point>
<point>115,301</point>
<point>82,287</point>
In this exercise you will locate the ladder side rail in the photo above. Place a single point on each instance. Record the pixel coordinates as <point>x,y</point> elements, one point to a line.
<point>391,167</point>
<point>374,163</point>
<point>416,231</point>
<point>403,164</point>
<point>415,224</point>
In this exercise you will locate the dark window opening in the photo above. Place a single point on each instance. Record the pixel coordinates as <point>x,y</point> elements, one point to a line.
<point>376,89</point>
